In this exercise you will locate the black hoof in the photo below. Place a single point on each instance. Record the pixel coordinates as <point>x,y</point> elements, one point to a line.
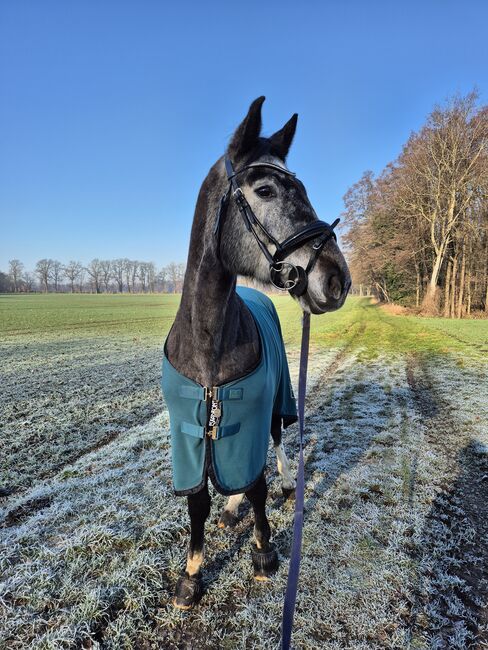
<point>227,520</point>
<point>265,563</point>
<point>288,493</point>
<point>188,591</point>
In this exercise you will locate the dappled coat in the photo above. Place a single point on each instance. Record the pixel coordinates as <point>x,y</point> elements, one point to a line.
<point>235,456</point>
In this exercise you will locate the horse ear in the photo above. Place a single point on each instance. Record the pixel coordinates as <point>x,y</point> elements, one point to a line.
<point>247,133</point>
<point>282,139</point>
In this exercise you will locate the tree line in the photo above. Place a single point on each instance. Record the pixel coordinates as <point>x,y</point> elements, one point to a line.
<point>99,276</point>
<point>418,233</point>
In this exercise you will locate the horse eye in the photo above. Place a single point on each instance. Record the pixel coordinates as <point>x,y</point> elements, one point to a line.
<point>264,191</point>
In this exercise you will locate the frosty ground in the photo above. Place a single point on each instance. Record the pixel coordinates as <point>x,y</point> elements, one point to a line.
<point>395,544</point>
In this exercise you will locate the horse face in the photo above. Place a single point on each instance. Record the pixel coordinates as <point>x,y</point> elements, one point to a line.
<point>281,203</point>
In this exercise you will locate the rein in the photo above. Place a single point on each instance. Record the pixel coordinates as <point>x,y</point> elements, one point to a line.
<point>294,569</point>
<point>296,280</point>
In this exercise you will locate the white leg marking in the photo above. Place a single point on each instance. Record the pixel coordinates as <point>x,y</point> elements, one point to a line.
<point>258,544</point>
<point>233,503</point>
<point>194,563</point>
<point>287,480</point>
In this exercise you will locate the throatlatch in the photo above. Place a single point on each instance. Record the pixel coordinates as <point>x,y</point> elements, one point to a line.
<point>283,274</point>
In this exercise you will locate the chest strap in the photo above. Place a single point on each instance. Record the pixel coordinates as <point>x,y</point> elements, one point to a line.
<point>215,433</point>
<point>204,393</point>
<point>213,396</point>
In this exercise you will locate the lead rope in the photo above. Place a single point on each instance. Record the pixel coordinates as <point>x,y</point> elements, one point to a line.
<point>294,570</point>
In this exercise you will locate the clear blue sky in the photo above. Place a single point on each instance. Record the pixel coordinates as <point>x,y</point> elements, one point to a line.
<point>111,112</point>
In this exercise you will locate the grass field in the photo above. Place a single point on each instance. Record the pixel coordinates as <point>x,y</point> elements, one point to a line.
<point>395,547</point>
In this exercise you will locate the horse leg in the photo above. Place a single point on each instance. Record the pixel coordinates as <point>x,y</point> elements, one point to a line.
<point>264,555</point>
<point>287,480</point>
<point>228,517</point>
<point>189,587</point>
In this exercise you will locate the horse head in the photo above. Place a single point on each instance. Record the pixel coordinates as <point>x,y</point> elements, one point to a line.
<point>279,202</point>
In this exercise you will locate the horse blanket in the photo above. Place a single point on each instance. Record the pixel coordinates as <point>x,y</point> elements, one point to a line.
<point>238,416</point>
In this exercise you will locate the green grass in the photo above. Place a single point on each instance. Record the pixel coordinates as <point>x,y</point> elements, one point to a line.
<point>83,315</point>
<point>359,324</point>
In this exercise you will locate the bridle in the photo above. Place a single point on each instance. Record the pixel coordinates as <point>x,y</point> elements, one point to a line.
<point>320,232</point>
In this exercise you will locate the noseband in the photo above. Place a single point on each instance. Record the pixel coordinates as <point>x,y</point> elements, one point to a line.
<point>283,275</point>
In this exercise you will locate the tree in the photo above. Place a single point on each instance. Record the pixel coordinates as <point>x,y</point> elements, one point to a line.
<point>15,272</point>
<point>118,273</point>
<point>173,272</point>
<point>29,281</point>
<point>151,276</point>
<point>73,271</point>
<point>142,274</point>
<point>161,278</point>
<point>128,273</point>
<point>94,270</point>
<point>57,272</point>
<point>44,273</point>
<point>419,231</point>
<point>443,166</point>
<point>106,273</point>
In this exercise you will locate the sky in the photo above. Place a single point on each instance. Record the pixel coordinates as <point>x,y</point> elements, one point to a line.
<point>113,111</point>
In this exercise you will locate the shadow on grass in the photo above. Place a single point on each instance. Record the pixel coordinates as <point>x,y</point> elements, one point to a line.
<point>338,444</point>
<point>451,597</point>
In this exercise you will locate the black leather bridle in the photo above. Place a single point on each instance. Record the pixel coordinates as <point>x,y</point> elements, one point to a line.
<point>320,232</point>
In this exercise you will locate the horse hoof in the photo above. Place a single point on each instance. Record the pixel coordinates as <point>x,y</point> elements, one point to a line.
<point>288,493</point>
<point>265,563</point>
<point>227,520</point>
<point>188,591</point>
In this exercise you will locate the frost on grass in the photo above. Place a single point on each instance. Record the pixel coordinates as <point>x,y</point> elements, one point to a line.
<point>60,398</point>
<point>90,556</point>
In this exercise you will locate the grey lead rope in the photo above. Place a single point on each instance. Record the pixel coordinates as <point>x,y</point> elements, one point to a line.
<point>294,570</point>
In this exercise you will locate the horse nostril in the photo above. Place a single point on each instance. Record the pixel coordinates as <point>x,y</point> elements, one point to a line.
<point>335,286</point>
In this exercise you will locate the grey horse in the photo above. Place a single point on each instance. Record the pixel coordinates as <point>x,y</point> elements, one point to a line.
<point>214,338</point>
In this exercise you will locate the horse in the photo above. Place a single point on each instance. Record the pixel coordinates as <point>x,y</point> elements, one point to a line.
<point>252,218</point>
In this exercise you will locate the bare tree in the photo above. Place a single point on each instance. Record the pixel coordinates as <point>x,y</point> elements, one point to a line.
<point>173,273</point>
<point>128,274</point>
<point>118,266</point>
<point>162,275</point>
<point>29,281</point>
<point>44,273</point>
<point>421,228</point>
<point>133,274</point>
<point>142,275</point>
<point>57,272</point>
<point>73,271</point>
<point>81,279</point>
<point>15,272</point>
<point>181,268</point>
<point>94,270</point>
<point>106,273</point>
<point>443,167</point>
<point>151,276</point>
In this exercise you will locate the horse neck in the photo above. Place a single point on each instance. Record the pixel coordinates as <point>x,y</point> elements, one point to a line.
<point>210,325</point>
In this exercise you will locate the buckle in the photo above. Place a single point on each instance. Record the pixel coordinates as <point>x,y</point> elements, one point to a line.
<point>210,393</point>
<point>207,393</point>
<point>212,432</point>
